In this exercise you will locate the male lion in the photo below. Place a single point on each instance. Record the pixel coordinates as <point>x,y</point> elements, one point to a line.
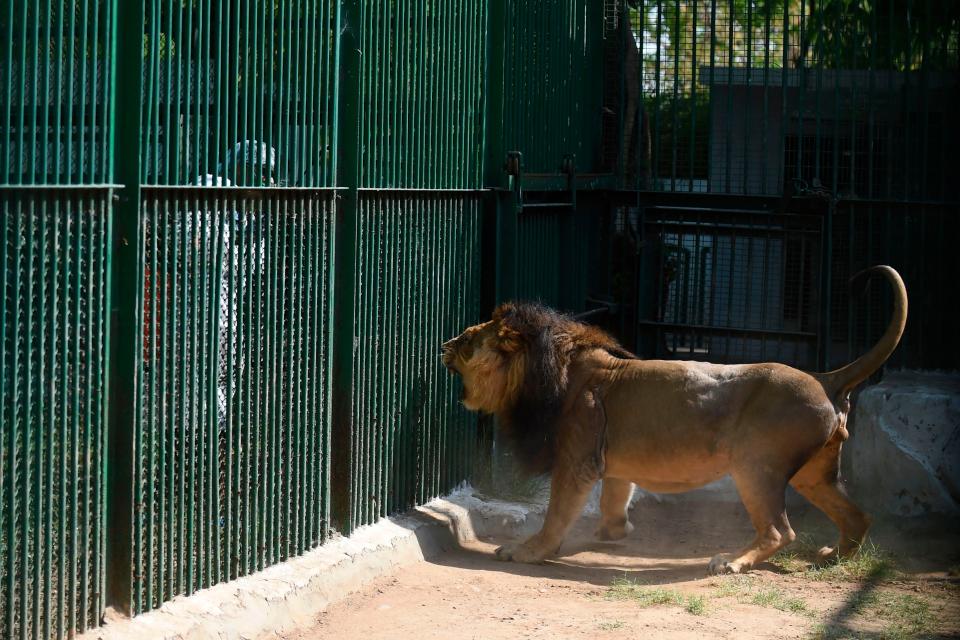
<point>575,404</point>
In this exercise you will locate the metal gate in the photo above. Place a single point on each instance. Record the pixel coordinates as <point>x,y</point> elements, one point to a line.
<point>768,150</point>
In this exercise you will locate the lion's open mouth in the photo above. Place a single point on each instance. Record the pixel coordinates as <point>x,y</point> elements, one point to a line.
<point>447,358</point>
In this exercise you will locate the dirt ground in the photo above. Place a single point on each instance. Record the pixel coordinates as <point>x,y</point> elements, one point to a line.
<point>653,585</point>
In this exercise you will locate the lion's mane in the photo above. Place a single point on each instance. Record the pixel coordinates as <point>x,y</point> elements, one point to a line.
<point>548,342</point>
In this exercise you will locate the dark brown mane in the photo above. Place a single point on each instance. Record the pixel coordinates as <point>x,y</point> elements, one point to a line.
<point>549,341</point>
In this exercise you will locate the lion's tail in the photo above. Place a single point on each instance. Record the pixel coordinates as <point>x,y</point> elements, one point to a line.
<point>843,380</point>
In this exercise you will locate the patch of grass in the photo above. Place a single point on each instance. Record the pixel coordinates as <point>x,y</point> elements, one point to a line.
<point>696,605</point>
<point>798,556</point>
<point>778,599</point>
<point>870,563</point>
<point>626,589</point>
<point>734,586</point>
<point>747,590</point>
<point>907,615</point>
<point>610,625</point>
<point>647,596</point>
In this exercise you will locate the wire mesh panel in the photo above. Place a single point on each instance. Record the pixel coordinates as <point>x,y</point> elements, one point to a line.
<point>539,254</point>
<point>54,256</point>
<point>422,70</point>
<point>552,98</point>
<point>55,119</point>
<point>418,285</point>
<point>55,92</point>
<point>729,286</point>
<point>230,449</point>
<point>555,243</point>
<point>227,82</point>
<point>807,96</point>
<point>231,434</point>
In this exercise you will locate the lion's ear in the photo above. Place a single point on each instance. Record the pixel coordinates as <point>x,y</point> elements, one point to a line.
<point>508,340</point>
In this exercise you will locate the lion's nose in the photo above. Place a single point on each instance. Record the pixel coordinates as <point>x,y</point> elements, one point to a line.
<point>446,353</point>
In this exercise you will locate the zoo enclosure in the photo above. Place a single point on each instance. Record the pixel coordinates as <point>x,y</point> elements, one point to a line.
<point>234,254</point>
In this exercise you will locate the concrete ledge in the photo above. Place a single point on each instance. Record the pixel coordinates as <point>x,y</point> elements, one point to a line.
<point>292,594</point>
<point>903,454</point>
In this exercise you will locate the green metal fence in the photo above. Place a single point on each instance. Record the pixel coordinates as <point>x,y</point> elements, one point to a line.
<point>416,268</point>
<point>231,446</point>
<point>418,282</point>
<point>553,90</point>
<point>254,227</point>
<point>230,450</point>
<point>55,226</point>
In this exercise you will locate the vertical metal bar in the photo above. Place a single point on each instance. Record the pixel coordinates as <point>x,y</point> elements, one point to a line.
<point>127,294</point>
<point>655,169</point>
<point>748,94</point>
<point>343,255</point>
<point>728,118</point>
<point>693,95</point>
<point>677,41</point>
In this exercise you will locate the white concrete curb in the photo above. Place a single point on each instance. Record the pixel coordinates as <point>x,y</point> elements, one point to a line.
<point>292,594</point>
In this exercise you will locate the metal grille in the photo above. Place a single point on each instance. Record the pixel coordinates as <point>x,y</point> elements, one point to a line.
<point>757,97</point>
<point>53,308</point>
<point>54,92</point>
<point>915,240</point>
<point>538,262</point>
<point>418,274</point>
<point>730,286</point>
<point>238,93</point>
<point>231,443</point>
<point>421,98</point>
<point>54,255</point>
<point>552,101</point>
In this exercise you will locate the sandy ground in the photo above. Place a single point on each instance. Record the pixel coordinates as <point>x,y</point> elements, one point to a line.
<point>465,593</point>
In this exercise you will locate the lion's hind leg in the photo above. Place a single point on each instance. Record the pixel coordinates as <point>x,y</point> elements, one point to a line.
<point>763,496</point>
<point>614,504</point>
<point>819,482</point>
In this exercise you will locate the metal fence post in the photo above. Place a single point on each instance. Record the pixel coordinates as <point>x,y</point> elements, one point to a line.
<point>346,152</point>
<point>502,208</point>
<point>127,301</point>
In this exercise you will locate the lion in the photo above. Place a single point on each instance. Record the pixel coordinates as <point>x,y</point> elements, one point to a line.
<point>576,405</point>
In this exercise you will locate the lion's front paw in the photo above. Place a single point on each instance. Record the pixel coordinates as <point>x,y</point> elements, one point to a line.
<point>519,552</point>
<point>721,564</point>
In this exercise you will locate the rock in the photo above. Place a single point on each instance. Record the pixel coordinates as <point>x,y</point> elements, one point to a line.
<point>903,455</point>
